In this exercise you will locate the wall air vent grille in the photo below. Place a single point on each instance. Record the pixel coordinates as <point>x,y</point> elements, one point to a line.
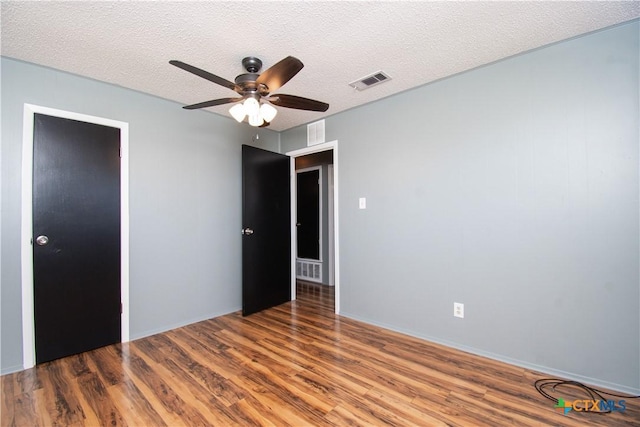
<point>309,270</point>
<point>371,80</point>
<point>315,133</point>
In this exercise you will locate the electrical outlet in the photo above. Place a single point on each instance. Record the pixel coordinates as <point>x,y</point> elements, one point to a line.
<point>458,310</point>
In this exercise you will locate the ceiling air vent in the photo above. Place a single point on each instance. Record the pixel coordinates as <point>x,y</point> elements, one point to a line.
<point>371,80</point>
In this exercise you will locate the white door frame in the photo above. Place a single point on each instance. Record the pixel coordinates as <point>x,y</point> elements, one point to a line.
<point>331,145</point>
<point>28,321</point>
<point>330,223</point>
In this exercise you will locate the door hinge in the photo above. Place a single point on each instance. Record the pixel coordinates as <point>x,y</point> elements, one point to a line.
<point>120,308</point>
<point>120,151</point>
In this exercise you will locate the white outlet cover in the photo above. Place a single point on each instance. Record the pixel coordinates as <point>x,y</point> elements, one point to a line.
<point>458,310</point>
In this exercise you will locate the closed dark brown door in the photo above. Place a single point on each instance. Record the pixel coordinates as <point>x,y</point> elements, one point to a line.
<point>266,219</point>
<point>76,241</point>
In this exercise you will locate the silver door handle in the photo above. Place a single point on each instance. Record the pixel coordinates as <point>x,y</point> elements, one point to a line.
<point>247,231</point>
<point>42,240</point>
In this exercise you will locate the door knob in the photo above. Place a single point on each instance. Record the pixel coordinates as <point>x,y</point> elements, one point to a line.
<point>42,240</point>
<point>247,231</point>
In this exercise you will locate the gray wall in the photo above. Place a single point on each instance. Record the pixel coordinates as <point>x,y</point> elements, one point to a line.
<point>185,187</point>
<point>512,188</point>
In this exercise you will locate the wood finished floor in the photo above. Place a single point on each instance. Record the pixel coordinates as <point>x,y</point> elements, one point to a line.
<point>296,364</point>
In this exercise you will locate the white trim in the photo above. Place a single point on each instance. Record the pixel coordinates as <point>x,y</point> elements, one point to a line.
<point>28,333</point>
<point>330,222</point>
<point>331,145</point>
<point>320,242</point>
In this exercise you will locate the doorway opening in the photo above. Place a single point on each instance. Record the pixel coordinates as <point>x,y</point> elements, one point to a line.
<point>311,203</point>
<point>317,266</point>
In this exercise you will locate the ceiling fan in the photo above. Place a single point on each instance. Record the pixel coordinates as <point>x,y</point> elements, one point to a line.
<point>255,90</point>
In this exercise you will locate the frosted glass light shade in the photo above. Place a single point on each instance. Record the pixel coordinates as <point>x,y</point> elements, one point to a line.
<point>251,107</point>
<point>238,113</point>
<point>267,112</point>
<point>255,120</point>
<point>256,113</point>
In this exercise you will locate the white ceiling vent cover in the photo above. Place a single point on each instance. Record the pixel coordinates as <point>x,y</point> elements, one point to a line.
<point>371,80</point>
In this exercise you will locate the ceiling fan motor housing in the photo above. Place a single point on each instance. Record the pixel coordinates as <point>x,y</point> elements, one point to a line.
<point>252,64</point>
<point>247,81</point>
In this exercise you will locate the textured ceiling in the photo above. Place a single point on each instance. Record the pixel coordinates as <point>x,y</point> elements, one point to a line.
<point>130,43</point>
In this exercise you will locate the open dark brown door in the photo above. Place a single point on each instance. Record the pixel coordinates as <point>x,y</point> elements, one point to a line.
<point>76,241</point>
<point>266,222</point>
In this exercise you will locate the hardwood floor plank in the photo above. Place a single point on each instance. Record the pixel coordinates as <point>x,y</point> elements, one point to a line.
<point>180,412</point>
<point>90,417</point>
<point>99,400</point>
<point>25,381</point>
<point>451,413</point>
<point>402,410</point>
<point>345,417</point>
<point>363,413</point>
<point>42,413</point>
<point>201,333</point>
<point>224,366</point>
<point>539,413</point>
<point>250,412</point>
<point>134,405</point>
<point>408,377</point>
<point>317,370</point>
<point>297,364</point>
<point>8,400</point>
<point>253,355</point>
<point>78,365</point>
<point>372,375</point>
<point>289,408</point>
<point>61,402</point>
<point>197,401</point>
<point>324,368</point>
<point>21,411</point>
<point>107,364</point>
<point>449,363</point>
<point>223,389</point>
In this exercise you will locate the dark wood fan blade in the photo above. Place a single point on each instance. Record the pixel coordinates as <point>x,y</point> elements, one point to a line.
<point>280,73</point>
<point>206,75</point>
<point>264,124</point>
<point>211,103</point>
<point>297,102</point>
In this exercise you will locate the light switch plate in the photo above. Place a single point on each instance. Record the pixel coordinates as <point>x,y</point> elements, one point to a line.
<point>362,202</point>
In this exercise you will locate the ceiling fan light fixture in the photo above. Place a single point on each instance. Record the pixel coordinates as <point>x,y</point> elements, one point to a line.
<point>238,112</point>
<point>251,107</point>
<point>255,119</point>
<point>268,112</point>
